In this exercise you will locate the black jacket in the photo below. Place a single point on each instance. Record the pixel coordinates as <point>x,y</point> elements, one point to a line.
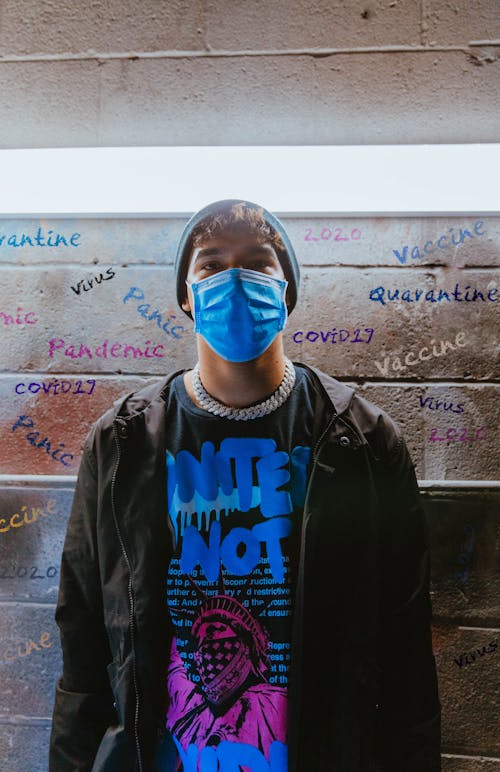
<point>363,691</point>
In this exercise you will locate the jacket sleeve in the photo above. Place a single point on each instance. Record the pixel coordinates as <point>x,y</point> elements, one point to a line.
<point>408,732</point>
<point>83,707</point>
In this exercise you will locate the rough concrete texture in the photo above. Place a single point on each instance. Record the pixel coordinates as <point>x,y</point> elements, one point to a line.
<point>447,23</point>
<point>24,748</point>
<point>463,528</point>
<point>118,25</point>
<point>397,242</point>
<point>464,242</point>
<point>467,453</point>
<point>432,96</point>
<point>61,419</point>
<point>32,526</point>
<point>30,659</point>
<point>420,81</point>
<point>102,242</point>
<point>58,27</point>
<point>470,711</point>
<point>406,341</point>
<point>452,763</point>
<point>321,24</point>
<point>405,333</point>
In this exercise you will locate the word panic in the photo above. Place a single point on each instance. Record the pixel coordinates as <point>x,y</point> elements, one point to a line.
<point>20,319</point>
<point>26,422</point>
<point>34,387</point>
<point>135,293</point>
<point>20,572</point>
<point>451,435</point>
<point>40,239</point>
<point>491,648</point>
<point>443,242</point>
<point>313,335</point>
<point>396,362</point>
<point>326,235</point>
<point>24,649</point>
<point>427,402</point>
<point>377,295</point>
<point>102,351</point>
<point>97,279</point>
<point>22,518</point>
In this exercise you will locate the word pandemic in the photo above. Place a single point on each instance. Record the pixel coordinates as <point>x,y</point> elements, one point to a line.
<point>314,335</point>
<point>97,279</point>
<point>396,361</point>
<point>101,351</point>
<point>26,422</point>
<point>440,242</point>
<point>34,387</point>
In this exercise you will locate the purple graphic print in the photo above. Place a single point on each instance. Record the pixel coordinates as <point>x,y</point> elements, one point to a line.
<point>232,699</point>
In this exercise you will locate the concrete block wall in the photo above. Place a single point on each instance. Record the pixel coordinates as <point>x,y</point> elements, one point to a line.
<point>253,72</point>
<point>419,338</point>
<point>219,72</point>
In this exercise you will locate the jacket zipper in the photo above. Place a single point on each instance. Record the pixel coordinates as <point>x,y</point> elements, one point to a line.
<point>131,600</point>
<point>299,602</point>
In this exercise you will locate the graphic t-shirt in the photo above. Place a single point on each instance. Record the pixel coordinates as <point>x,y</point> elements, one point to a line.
<point>236,491</point>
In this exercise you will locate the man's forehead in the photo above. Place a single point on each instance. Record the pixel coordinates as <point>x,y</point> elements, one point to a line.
<point>231,239</point>
<point>246,243</point>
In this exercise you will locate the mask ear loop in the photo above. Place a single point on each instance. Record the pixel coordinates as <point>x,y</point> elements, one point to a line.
<point>195,311</point>
<point>284,320</point>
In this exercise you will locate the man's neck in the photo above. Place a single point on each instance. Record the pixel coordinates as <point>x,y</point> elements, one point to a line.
<point>239,384</point>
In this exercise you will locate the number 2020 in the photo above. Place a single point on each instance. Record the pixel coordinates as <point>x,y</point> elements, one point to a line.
<point>337,233</point>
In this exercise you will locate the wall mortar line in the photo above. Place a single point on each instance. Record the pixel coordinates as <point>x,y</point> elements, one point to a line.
<point>236,53</point>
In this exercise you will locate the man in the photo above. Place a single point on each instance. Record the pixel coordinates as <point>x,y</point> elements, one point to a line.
<point>245,576</point>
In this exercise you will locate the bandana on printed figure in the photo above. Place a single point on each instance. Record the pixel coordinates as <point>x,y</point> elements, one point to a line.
<point>239,312</point>
<point>223,657</point>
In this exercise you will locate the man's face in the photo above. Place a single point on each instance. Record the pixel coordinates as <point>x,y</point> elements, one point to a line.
<point>231,251</point>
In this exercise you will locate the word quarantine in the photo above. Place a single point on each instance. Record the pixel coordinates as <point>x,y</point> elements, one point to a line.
<point>39,238</point>
<point>433,296</point>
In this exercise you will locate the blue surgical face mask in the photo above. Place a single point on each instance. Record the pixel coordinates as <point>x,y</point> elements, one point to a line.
<point>239,312</point>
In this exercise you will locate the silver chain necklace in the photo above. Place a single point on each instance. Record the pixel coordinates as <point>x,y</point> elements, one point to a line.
<point>270,404</point>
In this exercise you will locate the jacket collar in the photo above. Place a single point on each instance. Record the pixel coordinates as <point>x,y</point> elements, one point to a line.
<point>135,403</point>
<point>339,393</point>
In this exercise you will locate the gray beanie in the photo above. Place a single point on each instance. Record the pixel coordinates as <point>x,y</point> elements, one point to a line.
<point>286,257</point>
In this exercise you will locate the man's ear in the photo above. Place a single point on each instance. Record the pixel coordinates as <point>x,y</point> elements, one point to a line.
<point>186,304</point>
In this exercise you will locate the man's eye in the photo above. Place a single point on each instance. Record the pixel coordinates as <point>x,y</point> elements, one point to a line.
<point>210,266</point>
<point>260,264</point>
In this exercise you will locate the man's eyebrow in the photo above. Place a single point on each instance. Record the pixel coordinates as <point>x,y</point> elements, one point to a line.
<point>208,252</point>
